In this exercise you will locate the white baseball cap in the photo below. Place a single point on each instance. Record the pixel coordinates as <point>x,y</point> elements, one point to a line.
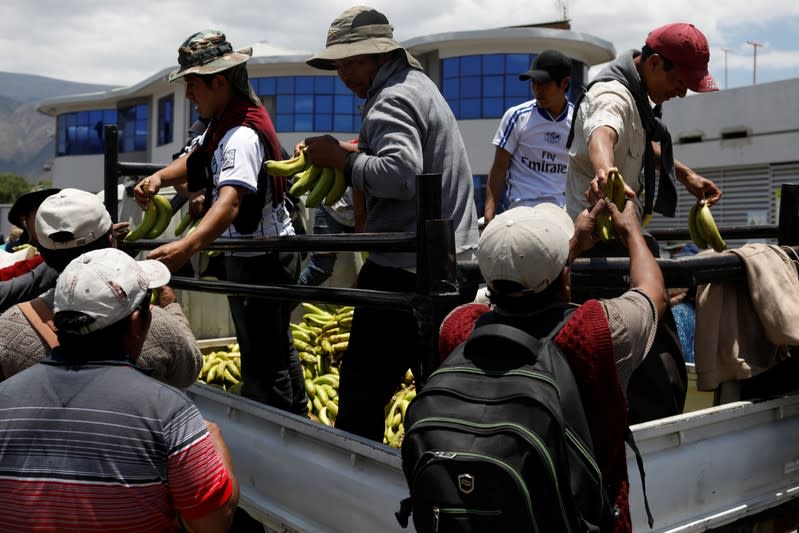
<point>107,285</point>
<point>74,217</point>
<point>526,245</point>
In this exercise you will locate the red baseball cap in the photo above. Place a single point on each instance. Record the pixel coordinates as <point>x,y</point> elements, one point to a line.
<point>685,46</point>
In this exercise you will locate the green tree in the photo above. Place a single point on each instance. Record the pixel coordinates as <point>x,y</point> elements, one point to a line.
<point>12,187</point>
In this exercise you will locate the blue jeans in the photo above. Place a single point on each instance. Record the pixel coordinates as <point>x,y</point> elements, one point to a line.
<point>320,264</point>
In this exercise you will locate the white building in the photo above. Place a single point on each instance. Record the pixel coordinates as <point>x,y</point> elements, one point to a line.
<point>741,138</point>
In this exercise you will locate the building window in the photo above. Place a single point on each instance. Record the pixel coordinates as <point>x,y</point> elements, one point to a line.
<point>133,128</point>
<point>166,119</point>
<point>309,103</point>
<point>81,133</point>
<point>484,86</point>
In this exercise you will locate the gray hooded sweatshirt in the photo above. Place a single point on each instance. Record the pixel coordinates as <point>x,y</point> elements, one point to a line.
<point>409,129</point>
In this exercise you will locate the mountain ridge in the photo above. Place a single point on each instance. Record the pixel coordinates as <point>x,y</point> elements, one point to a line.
<point>27,136</point>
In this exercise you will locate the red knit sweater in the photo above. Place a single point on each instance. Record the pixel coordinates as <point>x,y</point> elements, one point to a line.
<point>587,345</point>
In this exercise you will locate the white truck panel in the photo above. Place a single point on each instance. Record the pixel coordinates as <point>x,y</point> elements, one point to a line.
<point>703,469</point>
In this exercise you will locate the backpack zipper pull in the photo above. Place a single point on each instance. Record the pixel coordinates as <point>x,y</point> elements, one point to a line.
<point>435,519</point>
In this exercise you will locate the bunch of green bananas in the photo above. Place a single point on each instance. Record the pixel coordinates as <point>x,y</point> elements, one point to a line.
<point>187,222</point>
<point>222,369</point>
<point>702,228</point>
<point>321,339</point>
<point>326,184</point>
<point>155,220</point>
<point>395,411</point>
<point>614,191</point>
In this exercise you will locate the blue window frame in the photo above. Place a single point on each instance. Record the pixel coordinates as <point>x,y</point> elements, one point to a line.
<point>310,103</point>
<point>82,132</point>
<point>484,86</point>
<point>166,119</point>
<point>133,128</point>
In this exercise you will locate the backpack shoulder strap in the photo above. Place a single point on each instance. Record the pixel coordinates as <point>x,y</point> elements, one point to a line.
<point>40,317</point>
<point>630,440</point>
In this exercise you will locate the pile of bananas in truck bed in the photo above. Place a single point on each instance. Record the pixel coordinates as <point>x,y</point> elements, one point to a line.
<point>321,339</point>
<point>223,369</point>
<point>395,411</point>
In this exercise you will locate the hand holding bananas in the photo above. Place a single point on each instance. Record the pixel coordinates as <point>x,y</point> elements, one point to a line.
<point>322,178</point>
<point>702,228</point>
<point>614,190</point>
<point>156,218</point>
<point>146,189</point>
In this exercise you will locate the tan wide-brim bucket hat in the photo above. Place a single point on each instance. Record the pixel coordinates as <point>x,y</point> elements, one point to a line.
<point>357,31</point>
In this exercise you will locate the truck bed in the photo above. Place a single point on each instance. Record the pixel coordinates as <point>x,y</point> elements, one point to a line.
<point>704,469</point>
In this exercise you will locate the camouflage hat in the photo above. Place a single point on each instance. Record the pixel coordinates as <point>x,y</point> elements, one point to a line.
<point>208,52</point>
<point>357,31</point>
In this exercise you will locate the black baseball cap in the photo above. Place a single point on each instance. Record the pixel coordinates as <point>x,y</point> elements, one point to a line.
<point>25,204</point>
<point>548,65</point>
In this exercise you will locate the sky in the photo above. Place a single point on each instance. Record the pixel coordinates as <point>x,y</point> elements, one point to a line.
<point>123,43</point>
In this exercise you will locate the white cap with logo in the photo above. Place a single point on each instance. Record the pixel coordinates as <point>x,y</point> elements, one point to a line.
<point>526,245</point>
<point>107,285</point>
<point>71,218</point>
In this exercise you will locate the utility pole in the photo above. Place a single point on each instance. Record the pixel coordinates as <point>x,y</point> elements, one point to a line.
<point>755,46</point>
<point>725,50</point>
<point>563,6</point>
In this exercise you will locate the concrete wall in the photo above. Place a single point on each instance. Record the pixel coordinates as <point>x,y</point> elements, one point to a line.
<point>767,113</point>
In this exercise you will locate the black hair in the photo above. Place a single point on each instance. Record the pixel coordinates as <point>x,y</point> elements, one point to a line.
<point>512,297</point>
<point>106,343</point>
<point>59,259</point>
<point>646,52</point>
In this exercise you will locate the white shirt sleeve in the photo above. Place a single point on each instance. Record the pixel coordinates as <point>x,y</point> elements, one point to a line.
<point>238,159</point>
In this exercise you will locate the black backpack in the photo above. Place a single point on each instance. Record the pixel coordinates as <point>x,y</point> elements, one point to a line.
<point>497,441</point>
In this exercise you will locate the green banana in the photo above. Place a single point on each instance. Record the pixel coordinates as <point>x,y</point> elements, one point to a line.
<point>287,167</point>
<point>183,224</point>
<point>321,394</point>
<point>693,229</point>
<point>321,188</point>
<point>332,409</point>
<point>329,379</point>
<point>323,416</point>
<point>147,222</point>
<point>604,221</point>
<point>305,180</point>
<point>164,216</point>
<point>315,310</point>
<point>706,225</point>
<point>337,190</point>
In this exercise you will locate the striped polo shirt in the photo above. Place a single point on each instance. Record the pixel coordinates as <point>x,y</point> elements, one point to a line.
<point>102,447</point>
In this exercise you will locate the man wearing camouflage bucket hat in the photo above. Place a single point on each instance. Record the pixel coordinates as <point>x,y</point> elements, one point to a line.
<point>407,129</point>
<point>241,200</point>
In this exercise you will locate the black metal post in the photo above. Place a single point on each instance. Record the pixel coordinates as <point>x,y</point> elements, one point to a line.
<point>110,177</point>
<point>444,295</point>
<point>789,208</point>
<point>428,207</point>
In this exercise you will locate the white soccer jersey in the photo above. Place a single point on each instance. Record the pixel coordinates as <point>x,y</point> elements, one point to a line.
<point>539,158</point>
